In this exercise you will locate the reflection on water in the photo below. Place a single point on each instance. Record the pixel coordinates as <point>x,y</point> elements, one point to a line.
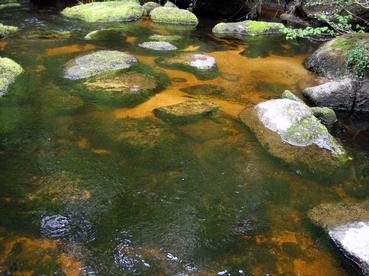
<point>87,188</point>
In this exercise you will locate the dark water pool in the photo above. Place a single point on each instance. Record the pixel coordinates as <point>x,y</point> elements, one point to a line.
<point>93,189</point>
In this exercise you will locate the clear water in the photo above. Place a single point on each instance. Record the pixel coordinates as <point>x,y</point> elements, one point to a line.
<point>144,197</point>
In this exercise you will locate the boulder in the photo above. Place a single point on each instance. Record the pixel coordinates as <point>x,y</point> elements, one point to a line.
<point>339,95</point>
<point>347,225</point>
<point>173,16</point>
<point>202,66</point>
<point>149,6</point>
<point>187,111</point>
<point>9,70</point>
<point>247,27</point>
<point>7,30</point>
<point>158,46</point>
<point>331,59</point>
<point>109,11</point>
<point>342,61</point>
<point>96,63</point>
<point>289,131</point>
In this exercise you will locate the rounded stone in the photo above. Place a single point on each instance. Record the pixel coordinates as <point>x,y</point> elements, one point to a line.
<point>158,46</point>
<point>171,15</point>
<point>55,226</point>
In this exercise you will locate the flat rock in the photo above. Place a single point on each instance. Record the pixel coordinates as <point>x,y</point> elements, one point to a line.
<point>289,131</point>
<point>347,224</point>
<point>158,46</point>
<point>172,15</point>
<point>187,111</point>
<point>9,70</point>
<point>96,63</point>
<point>109,11</point>
<point>248,27</point>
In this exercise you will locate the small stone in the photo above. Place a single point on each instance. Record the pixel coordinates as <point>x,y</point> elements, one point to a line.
<point>7,30</point>
<point>9,70</point>
<point>248,27</point>
<point>287,94</point>
<point>326,115</point>
<point>158,46</point>
<point>201,62</point>
<point>55,226</point>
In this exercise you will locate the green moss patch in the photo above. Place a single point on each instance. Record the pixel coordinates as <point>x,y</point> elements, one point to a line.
<point>7,30</point>
<point>248,27</point>
<point>173,16</point>
<point>9,70</point>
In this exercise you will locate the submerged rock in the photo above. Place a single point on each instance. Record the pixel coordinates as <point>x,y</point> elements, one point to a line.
<point>9,70</point>
<point>173,16</point>
<point>48,35</point>
<point>158,46</point>
<point>204,89</point>
<point>289,131</point>
<point>55,226</point>
<point>109,11</point>
<point>169,38</point>
<point>104,34</point>
<point>96,63</point>
<point>188,111</point>
<point>149,6</point>
<point>347,224</point>
<point>202,66</point>
<point>7,30</point>
<point>248,27</point>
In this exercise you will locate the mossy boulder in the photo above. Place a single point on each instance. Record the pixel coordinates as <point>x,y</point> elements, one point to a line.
<point>326,115</point>
<point>168,38</point>
<point>9,70</point>
<point>169,4</point>
<point>202,66</point>
<point>173,16</point>
<point>158,46</point>
<point>109,11</point>
<point>7,30</point>
<point>149,6</point>
<point>247,27</point>
<point>331,59</point>
<point>188,111</point>
<point>96,63</point>
<point>289,131</point>
<point>347,225</point>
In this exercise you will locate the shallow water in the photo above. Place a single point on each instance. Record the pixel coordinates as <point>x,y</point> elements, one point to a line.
<point>136,195</point>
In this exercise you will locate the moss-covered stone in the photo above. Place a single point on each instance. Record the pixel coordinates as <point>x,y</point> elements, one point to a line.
<point>202,66</point>
<point>7,30</point>
<point>109,11</point>
<point>169,4</point>
<point>149,6</point>
<point>96,63</point>
<point>158,46</point>
<point>248,27</point>
<point>10,6</point>
<point>330,60</point>
<point>168,38</point>
<point>287,94</point>
<point>326,115</point>
<point>188,111</point>
<point>289,131</point>
<point>9,70</point>
<point>173,16</point>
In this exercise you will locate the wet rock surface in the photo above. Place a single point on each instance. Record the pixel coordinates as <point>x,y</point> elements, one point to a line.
<point>170,15</point>
<point>347,224</point>
<point>9,70</point>
<point>96,63</point>
<point>55,226</point>
<point>158,46</point>
<point>109,11</point>
<point>248,27</point>
<point>289,131</point>
<point>187,111</point>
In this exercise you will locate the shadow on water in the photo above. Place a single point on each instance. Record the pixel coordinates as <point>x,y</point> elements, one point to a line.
<point>104,189</point>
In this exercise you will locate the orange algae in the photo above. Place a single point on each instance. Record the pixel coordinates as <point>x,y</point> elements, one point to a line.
<point>70,49</point>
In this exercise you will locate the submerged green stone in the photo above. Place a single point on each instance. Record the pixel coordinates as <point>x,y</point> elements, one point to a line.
<point>9,70</point>
<point>109,11</point>
<point>7,30</point>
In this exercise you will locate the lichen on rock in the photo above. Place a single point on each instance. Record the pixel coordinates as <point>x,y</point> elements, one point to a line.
<point>173,16</point>
<point>9,70</point>
<point>109,11</point>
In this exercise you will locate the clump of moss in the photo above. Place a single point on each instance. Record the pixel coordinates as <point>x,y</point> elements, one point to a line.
<point>7,30</point>
<point>248,27</point>
<point>173,16</point>
<point>110,11</point>
<point>9,70</point>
